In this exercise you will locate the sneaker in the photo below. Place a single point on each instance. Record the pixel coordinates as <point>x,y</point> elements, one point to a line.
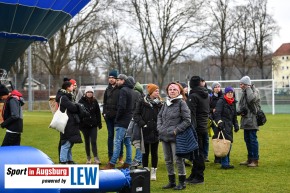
<point>227,167</point>
<point>153,174</point>
<point>135,163</point>
<point>88,161</point>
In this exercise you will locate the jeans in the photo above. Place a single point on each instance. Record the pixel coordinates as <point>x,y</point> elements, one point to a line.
<point>111,131</point>
<point>138,155</point>
<point>251,139</point>
<point>65,152</point>
<point>119,137</point>
<point>225,161</point>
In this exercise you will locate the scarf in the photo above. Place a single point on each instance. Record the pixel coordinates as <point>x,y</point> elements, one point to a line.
<point>150,101</point>
<point>229,100</point>
<point>169,100</point>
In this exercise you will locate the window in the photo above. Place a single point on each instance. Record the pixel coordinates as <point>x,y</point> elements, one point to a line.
<point>282,67</point>
<point>283,77</point>
<point>282,57</point>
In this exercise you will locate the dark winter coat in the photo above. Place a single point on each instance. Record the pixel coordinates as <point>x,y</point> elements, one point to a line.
<point>228,115</point>
<point>175,117</point>
<point>12,113</point>
<point>198,103</point>
<point>111,97</point>
<point>213,101</point>
<point>71,132</point>
<point>146,114</point>
<point>125,105</point>
<point>94,119</point>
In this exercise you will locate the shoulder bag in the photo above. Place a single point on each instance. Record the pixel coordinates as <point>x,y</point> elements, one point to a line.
<point>59,120</point>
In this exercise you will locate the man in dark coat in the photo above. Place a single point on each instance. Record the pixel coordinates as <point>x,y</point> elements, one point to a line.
<point>111,97</point>
<point>198,103</point>
<point>122,120</point>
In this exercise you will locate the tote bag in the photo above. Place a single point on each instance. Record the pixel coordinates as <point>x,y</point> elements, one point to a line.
<point>221,147</point>
<point>59,120</point>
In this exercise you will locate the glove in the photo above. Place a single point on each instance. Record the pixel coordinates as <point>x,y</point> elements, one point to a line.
<point>236,129</point>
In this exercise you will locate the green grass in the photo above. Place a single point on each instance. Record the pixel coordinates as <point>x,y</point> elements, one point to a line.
<point>272,175</point>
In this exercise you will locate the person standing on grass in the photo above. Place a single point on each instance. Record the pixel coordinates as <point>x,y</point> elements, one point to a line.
<point>248,106</point>
<point>173,118</point>
<point>136,139</point>
<point>12,116</point>
<point>216,95</point>
<point>198,103</point>
<point>111,97</point>
<point>226,119</point>
<point>122,120</point>
<point>91,124</point>
<point>71,133</point>
<point>145,115</point>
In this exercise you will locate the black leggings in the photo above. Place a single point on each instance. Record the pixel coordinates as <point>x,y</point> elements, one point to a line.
<point>153,148</point>
<point>90,136</point>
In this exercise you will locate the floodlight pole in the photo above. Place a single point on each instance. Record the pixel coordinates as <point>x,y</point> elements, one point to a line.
<point>29,80</point>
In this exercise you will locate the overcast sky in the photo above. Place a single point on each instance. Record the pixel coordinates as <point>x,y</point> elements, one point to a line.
<point>281,12</point>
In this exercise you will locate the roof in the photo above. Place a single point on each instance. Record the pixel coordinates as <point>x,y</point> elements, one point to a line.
<point>283,50</point>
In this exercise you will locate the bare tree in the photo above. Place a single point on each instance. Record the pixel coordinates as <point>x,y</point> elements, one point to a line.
<point>73,43</point>
<point>116,51</point>
<point>167,29</point>
<point>263,28</point>
<point>221,41</point>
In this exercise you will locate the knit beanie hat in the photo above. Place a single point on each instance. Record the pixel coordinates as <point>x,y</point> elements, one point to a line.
<point>194,81</point>
<point>122,76</point>
<point>183,84</point>
<point>73,81</point>
<point>151,88</point>
<point>89,89</point>
<point>3,90</point>
<point>214,84</point>
<point>229,89</point>
<point>113,73</point>
<point>246,80</point>
<point>131,79</point>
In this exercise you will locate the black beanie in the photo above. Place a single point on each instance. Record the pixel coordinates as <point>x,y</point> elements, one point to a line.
<point>3,90</point>
<point>194,81</point>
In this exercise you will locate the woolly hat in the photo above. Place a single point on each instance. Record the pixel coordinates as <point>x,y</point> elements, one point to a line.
<point>214,84</point>
<point>229,89</point>
<point>113,73</point>
<point>132,80</point>
<point>89,89</point>
<point>183,84</point>
<point>122,76</point>
<point>3,90</point>
<point>246,80</point>
<point>151,88</point>
<point>194,81</point>
<point>73,81</point>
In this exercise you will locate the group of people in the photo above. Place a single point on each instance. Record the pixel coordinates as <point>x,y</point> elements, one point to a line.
<point>159,121</point>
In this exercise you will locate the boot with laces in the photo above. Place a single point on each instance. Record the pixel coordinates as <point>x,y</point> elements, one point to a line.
<point>153,174</point>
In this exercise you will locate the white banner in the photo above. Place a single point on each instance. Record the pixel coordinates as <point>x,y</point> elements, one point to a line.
<point>52,176</point>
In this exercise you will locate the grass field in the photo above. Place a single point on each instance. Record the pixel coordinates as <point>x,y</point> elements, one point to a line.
<point>272,175</point>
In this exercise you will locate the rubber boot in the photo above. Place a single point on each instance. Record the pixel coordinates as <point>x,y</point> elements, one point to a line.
<point>181,184</point>
<point>171,183</point>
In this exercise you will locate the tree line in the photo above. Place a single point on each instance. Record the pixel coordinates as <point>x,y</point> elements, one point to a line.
<point>159,37</point>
